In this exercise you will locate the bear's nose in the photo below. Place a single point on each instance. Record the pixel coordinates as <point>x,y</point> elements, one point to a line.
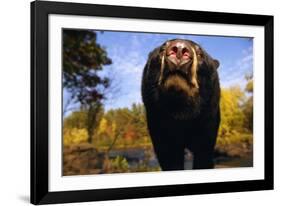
<point>179,50</point>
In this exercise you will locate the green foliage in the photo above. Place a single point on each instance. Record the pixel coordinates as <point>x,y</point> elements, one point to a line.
<point>83,57</point>
<point>119,164</point>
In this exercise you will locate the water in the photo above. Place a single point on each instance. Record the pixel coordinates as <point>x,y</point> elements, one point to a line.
<point>138,156</point>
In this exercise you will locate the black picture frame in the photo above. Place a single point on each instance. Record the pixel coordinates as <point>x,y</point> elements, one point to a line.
<point>39,102</point>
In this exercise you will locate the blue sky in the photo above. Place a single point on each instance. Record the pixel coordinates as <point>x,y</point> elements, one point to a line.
<point>129,52</point>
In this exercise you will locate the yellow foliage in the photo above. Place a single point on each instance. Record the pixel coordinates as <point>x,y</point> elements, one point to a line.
<point>102,126</point>
<point>232,117</point>
<point>74,136</point>
<point>250,86</point>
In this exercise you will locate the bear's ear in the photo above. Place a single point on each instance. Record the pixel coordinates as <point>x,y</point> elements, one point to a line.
<point>164,46</point>
<point>216,63</point>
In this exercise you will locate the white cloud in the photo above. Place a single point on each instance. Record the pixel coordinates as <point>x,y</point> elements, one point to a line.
<point>128,63</point>
<point>235,75</point>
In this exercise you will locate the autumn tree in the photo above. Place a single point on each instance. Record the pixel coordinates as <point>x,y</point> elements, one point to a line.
<point>83,58</point>
<point>232,116</point>
<point>248,107</point>
<point>139,120</point>
<point>77,119</point>
<point>75,126</point>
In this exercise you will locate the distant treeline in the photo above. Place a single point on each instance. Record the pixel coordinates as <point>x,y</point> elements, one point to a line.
<point>126,127</point>
<point>121,127</point>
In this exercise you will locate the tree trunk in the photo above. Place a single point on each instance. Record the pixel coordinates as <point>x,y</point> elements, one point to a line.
<point>92,120</point>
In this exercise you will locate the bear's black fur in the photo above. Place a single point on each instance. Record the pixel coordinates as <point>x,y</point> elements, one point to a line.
<point>182,107</point>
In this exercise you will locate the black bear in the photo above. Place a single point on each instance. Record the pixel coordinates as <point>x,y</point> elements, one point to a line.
<point>181,95</point>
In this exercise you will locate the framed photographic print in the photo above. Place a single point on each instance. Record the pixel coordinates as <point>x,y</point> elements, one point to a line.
<point>131,102</point>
